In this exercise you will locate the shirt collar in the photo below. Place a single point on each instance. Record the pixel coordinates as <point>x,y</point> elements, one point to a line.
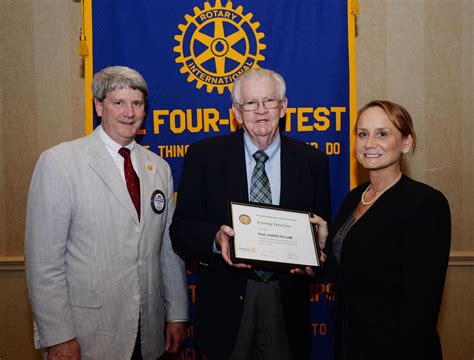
<point>251,148</point>
<point>111,145</point>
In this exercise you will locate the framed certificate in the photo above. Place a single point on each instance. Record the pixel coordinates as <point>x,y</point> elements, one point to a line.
<point>272,237</point>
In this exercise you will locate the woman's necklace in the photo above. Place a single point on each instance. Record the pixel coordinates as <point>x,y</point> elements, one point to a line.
<point>381,193</point>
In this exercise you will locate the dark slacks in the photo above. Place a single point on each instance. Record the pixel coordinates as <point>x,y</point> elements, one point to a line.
<point>137,350</point>
<point>262,334</point>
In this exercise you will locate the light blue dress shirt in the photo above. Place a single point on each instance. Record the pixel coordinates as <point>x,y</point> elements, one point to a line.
<point>272,166</point>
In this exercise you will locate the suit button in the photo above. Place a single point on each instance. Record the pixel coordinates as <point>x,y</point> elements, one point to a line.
<point>137,229</point>
<point>140,263</point>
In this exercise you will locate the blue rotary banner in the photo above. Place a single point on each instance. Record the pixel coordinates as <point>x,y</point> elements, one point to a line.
<point>190,52</point>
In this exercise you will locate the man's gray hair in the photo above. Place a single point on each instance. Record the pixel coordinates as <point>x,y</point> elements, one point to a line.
<point>257,73</point>
<point>116,78</point>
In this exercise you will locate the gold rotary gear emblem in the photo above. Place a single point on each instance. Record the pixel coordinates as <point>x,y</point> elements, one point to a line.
<point>217,44</point>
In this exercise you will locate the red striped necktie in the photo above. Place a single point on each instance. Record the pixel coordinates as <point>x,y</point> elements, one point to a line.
<point>131,178</point>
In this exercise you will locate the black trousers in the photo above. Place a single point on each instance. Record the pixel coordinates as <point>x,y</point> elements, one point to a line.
<point>137,350</point>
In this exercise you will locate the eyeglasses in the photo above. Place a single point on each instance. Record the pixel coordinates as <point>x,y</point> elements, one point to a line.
<point>268,104</point>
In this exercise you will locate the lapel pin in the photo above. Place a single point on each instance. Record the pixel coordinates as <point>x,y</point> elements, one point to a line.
<point>149,167</point>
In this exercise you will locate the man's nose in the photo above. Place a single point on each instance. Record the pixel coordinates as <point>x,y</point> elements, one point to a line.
<point>260,108</point>
<point>129,111</point>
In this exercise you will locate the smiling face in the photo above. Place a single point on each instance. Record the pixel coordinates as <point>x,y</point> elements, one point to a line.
<point>122,113</point>
<point>262,125</point>
<point>379,144</point>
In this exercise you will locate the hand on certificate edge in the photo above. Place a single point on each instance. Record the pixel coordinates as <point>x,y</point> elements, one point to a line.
<point>322,230</point>
<point>308,270</point>
<point>222,241</point>
<point>70,350</point>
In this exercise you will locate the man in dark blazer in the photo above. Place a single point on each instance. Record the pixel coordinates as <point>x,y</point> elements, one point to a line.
<point>239,316</point>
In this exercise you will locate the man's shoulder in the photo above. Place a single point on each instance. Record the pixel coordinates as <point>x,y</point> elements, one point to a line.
<point>214,143</point>
<point>68,147</point>
<point>65,157</point>
<point>300,147</point>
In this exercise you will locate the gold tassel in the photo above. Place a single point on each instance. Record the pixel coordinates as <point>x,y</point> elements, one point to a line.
<point>82,48</point>
<point>355,7</point>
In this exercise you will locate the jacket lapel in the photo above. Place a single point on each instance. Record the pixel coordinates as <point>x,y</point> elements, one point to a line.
<point>103,165</point>
<point>235,169</point>
<point>289,173</point>
<point>147,171</point>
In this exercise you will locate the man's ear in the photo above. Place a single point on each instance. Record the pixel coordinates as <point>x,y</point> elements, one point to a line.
<point>98,107</point>
<point>237,113</point>
<point>284,104</point>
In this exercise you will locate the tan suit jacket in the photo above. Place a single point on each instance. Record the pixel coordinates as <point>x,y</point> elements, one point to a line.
<point>92,267</point>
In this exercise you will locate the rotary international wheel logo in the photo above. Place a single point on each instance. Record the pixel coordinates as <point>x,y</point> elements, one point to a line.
<point>217,44</point>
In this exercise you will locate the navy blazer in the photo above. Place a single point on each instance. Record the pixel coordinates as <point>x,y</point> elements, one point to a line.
<point>214,174</point>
